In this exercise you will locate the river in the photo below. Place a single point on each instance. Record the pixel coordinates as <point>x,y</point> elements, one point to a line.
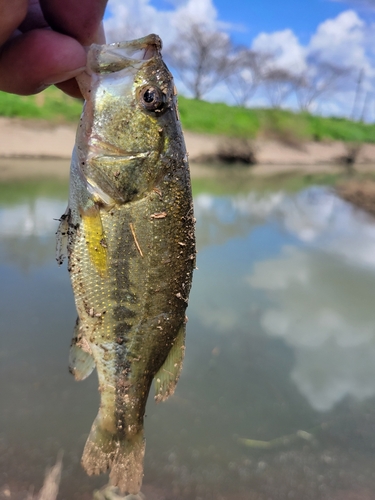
<point>277,395</point>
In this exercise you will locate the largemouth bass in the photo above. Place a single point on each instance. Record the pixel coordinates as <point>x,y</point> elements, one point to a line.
<point>129,232</point>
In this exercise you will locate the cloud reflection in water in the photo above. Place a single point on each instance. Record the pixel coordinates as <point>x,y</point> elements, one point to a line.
<point>309,259</point>
<point>321,297</point>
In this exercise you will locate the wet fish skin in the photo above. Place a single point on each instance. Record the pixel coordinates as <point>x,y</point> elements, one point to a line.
<point>131,247</point>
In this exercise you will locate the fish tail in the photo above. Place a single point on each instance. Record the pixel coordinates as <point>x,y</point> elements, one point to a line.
<point>127,466</point>
<point>122,454</point>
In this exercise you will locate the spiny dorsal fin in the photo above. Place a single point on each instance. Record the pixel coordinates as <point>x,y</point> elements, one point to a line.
<point>168,375</point>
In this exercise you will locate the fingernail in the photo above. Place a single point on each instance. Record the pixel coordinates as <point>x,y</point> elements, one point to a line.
<point>61,77</point>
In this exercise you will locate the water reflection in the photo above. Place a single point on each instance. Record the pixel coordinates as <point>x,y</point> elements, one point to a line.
<point>280,339</point>
<point>322,308</point>
<point>26,231</point>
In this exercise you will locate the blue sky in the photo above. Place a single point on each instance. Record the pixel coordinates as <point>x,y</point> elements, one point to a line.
<point>336,32</point>
<point>253,17</point>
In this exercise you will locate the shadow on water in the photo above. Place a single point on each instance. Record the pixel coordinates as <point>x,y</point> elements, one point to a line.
<point>277,395</point>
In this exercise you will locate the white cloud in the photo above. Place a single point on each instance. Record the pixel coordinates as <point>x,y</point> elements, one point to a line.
<point>316,297</point>
<point>137,18</point>
<point>198,11</point>
<point>346,40</point>
<point>285,47</point>
<point>322,308</point>
<point>315,216</point>
<point>341,41</point>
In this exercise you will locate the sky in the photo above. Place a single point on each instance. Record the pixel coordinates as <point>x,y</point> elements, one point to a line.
<point>340,32</point>
<point>251,17</point>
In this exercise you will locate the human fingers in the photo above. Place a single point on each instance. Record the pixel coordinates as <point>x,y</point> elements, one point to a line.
<point>79,19</point>
<point>32,61</point>
<point>11,15</point>
<point>70,87</point>
<point>34,18</point>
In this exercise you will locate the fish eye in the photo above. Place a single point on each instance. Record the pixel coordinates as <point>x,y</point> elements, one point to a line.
<point>151,98</point>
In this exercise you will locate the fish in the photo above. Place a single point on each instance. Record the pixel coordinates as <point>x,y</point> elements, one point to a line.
<point>128,235</point>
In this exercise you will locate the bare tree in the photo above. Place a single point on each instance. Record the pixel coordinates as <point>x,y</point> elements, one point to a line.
<point>358,91</point>
<point>366,105</point>
<point>319,80</point>
<point>246,74</point>
<point>201,57</point>
<point>279,84</point>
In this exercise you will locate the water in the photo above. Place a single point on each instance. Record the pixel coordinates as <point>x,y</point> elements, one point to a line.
<point>277,395</point>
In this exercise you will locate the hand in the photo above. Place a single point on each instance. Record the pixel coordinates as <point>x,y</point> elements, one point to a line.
<point>41,42</point>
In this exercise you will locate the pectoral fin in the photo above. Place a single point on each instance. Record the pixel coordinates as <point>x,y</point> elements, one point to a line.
<point>81,362</point>
<point>168,375</point>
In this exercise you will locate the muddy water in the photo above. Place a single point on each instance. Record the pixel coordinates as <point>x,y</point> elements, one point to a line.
<point>277,395</point>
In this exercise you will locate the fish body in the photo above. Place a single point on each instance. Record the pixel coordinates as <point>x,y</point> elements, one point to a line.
<point>129,230</point>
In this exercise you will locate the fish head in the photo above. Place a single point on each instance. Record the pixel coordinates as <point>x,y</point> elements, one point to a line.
<point>129,136</point>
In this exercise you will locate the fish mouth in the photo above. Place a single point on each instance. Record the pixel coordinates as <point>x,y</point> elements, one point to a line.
<point>114,57</point>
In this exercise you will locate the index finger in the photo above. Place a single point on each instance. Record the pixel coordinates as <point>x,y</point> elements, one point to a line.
<point>79,19</point>
<point>12,14</point>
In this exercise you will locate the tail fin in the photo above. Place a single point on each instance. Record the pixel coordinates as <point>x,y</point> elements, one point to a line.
<point>123,455</point>
<point>127,467</point>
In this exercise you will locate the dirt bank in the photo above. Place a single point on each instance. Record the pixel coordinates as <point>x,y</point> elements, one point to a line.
<point>36,140</point>
<point>359,193</point>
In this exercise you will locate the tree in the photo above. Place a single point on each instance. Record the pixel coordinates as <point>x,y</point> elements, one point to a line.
<point>279,84</point>
<point>319,80</point>
<point>201,57</point>
<point>246,74</point>
<point>358,91</point>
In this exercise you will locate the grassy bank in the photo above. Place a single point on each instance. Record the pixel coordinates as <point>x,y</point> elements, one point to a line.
<point>51,105</point>
<point>205,117</point>
<point>218,118</point>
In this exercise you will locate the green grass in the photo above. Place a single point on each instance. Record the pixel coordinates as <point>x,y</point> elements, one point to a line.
<point>207,118</point>
<point>218,118</point>
<point>51,105</point>
<point>339,129</point>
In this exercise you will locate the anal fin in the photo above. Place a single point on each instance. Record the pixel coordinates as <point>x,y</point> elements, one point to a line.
<point>167,377</point>
<point>81,362</point>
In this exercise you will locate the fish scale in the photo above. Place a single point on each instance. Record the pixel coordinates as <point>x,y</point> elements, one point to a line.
<point>131,248</point>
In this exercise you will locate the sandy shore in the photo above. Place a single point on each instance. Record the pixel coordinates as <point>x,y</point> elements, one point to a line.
<point>40,140</point>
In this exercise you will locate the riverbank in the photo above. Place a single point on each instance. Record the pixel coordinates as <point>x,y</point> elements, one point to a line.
<point>36,140</point>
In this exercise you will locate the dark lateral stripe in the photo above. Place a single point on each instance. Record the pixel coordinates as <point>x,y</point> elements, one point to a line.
<point>122,328</point>
<point>121,312</point>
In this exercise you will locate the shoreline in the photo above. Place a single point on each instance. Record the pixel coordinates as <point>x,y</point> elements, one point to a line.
<point>47,148</point>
